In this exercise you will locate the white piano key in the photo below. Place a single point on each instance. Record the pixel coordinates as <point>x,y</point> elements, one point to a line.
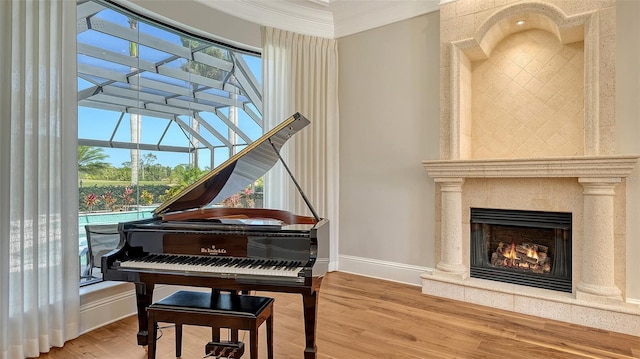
<point>223,265</point>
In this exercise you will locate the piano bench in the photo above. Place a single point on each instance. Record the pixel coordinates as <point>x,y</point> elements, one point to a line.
<point>213,309</point>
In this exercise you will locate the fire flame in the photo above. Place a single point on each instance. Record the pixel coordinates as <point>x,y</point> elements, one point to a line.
<point>510,257</point>
<point>527,256</point>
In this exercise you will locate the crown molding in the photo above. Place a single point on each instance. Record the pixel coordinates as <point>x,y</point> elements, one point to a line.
<point>279,14</point>
<point>355,18</point>
<point>324,18</point>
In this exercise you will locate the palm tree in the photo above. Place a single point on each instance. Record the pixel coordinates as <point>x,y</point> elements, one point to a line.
<point>136,120</point>
<point>91,160</point>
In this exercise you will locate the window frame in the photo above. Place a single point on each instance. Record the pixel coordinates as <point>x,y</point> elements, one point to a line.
<point>235,49</point>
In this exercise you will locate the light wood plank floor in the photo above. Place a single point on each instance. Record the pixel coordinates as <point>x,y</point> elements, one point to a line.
<point>361,317</point>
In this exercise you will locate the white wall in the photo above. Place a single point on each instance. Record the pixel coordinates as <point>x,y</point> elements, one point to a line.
<point>389,123</point>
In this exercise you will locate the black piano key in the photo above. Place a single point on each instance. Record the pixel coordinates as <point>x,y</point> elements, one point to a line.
<point>234,262</point>
<point>194,260</point>
<point>177,259</point>
<point>149,258</point>
<point>226,262</point>
<point>202,261</point>
<point>159,259</point>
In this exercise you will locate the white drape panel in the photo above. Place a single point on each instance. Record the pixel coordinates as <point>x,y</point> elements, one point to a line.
<point>39,296</point>
<point>300,74</point>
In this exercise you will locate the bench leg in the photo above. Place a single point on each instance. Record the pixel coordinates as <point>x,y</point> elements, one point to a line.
<point>254,343</point>
<point>151,337</point>
<point>270,337</point>
<point>178,340</point>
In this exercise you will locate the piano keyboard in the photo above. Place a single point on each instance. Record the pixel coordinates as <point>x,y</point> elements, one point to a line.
<point>216,265</point>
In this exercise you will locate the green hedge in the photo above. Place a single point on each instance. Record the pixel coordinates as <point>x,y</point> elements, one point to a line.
<point>149,194</point>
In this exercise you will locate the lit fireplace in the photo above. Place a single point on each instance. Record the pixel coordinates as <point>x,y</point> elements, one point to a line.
<point>522,247</point>
<point>528,257</point>
<point>484,163</point>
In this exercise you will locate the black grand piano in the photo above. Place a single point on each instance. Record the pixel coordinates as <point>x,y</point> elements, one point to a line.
<point>191,242</point>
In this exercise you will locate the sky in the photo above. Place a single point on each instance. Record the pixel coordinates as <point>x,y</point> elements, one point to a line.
<point>110,125</point>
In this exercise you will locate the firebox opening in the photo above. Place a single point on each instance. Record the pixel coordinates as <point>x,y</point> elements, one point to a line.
<point>530,248</point>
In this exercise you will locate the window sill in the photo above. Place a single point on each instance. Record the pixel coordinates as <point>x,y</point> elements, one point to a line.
<point>102,288</point>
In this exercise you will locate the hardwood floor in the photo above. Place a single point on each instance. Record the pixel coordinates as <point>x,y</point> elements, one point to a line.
<point>361,317</point>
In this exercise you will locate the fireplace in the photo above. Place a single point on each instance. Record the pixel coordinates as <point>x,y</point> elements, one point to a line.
<point>530,248</point>
<point>502,145</point>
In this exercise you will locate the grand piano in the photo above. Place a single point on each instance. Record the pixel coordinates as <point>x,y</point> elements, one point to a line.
<point>190,241</point>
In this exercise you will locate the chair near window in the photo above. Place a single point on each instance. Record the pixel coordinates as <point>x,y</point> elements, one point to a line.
<point>101,239</point>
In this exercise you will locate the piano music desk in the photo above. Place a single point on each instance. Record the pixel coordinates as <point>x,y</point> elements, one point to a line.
<point>216,310</point>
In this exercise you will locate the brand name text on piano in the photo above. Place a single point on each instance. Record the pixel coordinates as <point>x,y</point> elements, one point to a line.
<point>213,250</point>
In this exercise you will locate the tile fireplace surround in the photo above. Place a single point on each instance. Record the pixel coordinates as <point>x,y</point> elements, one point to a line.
<point>526,125</point>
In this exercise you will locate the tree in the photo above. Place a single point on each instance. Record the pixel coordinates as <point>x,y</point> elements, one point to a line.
<point>147,160</point>
<point>184,175</point>
<point>199,68</point>
<point>91,160</point>
<point>181,177</point>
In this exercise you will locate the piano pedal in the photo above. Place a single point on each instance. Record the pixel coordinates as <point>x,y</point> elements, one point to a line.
<point>224,349</point>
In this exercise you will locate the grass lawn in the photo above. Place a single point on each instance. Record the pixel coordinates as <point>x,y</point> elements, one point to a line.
<point>100,183</point>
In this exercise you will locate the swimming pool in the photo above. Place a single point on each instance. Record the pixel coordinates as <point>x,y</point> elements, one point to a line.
<point>108,218</point>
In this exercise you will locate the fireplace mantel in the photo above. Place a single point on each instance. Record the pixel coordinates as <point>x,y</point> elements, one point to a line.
<point>556,167</point>
<point>594,283</point>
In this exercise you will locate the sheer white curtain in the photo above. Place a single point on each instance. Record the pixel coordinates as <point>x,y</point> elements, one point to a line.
<point>39,297</point>
<point>300,74</point>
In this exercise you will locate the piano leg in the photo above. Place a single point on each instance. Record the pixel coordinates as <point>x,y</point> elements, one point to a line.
<point>144,297</point>
<point>310,302</point>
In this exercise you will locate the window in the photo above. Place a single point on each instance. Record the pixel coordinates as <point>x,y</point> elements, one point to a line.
<point>157,109</point>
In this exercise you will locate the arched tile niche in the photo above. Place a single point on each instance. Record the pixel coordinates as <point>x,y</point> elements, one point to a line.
<point>526,85</point>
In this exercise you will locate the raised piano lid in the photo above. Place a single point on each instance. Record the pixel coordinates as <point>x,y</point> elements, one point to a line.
<point>237,172</point>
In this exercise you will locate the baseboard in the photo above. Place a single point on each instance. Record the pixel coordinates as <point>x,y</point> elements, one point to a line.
<point>104,303</point>
<point>633,301</point>
<point>396,272</point>
<point>107,302</point>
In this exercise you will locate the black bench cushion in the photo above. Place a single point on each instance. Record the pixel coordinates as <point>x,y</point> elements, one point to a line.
<point>224,303</point>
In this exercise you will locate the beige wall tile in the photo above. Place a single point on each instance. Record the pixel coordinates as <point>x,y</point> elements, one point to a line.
<point>514,111</point>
